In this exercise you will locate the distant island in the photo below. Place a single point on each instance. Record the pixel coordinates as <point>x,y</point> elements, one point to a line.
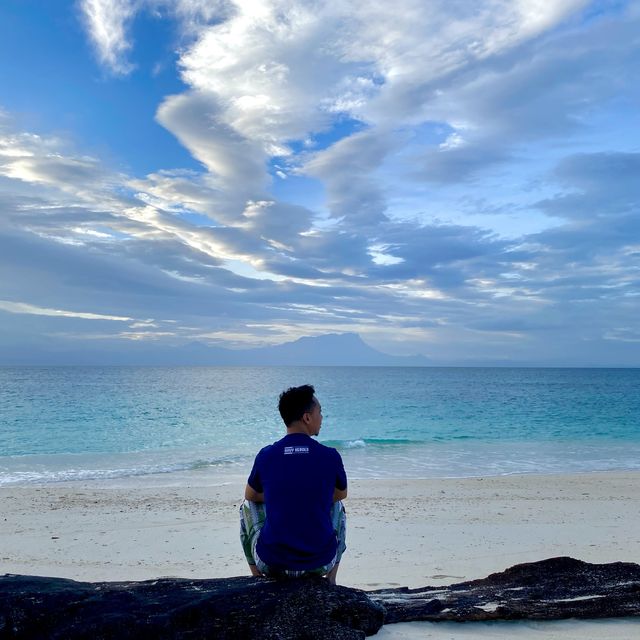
<point>334,349</point>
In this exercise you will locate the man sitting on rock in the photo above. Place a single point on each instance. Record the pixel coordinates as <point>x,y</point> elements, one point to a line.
<point>292,522</point>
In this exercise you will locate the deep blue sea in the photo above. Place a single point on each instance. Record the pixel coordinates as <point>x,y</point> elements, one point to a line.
<point>86,423</point>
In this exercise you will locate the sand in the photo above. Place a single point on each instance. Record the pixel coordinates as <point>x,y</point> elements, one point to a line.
<point>400,532</point>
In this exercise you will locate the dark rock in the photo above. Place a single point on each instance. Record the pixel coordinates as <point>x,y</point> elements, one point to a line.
<point>547,590</point>
<point>307,608</point>
<point>233,608</point>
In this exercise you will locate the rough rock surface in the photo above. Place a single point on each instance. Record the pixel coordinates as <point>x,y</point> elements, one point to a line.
<point>57,609</point>
<point>547,590</point>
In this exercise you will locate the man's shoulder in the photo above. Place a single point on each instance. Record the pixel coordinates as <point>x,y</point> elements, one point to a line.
<point>267,449</point>
<point>309,444</point>
<point>272,448</point>
<point>326,450</point>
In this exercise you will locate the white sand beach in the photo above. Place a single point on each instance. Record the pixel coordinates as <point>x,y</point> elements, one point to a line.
<point>400,532</point>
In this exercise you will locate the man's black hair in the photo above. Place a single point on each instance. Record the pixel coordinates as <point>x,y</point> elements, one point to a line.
<point>295,402</point>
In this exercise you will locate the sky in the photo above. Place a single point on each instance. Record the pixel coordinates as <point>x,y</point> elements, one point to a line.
<point>455,179</point>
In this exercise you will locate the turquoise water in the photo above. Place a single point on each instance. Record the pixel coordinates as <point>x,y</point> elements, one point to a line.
<point>62,423</point>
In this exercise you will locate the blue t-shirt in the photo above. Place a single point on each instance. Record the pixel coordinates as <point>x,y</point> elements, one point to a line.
<point>298,476</point>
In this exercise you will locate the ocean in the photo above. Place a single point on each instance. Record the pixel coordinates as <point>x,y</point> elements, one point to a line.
<point>179,424</point>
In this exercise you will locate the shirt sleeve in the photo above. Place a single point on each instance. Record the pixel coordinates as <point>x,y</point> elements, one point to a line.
<point>254,480</point>
<point>341,476</point>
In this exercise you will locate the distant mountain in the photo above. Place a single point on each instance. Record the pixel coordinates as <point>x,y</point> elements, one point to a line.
<point>335,349</point>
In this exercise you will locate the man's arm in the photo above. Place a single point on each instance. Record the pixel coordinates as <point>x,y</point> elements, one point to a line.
<point>341,480</point>
<point>251,494</point>
<point>339,494</point>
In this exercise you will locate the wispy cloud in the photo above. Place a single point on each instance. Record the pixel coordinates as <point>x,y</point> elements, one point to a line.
<point>107,24</point>
<point>30,309</point>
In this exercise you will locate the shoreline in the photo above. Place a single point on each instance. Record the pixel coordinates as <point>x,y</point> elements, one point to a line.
<point>401,532</point>
<point>208,475</point>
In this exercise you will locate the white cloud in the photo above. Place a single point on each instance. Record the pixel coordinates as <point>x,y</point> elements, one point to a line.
<point>46,161</point>
<point>30,309</point>
<point>277,71</point>
<point>414,47</point>
<point>270,64</point>
<point>347,169</point>
<point>267,72</point>
<point>194,14</point>
<point>107,22</point>
<point>279,66</point>
<point>236,164</point>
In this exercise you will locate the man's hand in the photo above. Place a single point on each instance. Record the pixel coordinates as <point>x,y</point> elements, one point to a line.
<point>251,494</point>
<point>339,494</point>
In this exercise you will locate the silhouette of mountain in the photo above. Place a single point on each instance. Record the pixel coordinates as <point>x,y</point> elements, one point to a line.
<point>336,349</point>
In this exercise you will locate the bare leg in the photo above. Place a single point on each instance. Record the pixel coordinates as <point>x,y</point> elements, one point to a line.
<point>254,570</point>
<point>331,576</point>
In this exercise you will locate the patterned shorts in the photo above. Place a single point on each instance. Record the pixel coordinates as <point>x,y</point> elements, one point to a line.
<point>252,517</point>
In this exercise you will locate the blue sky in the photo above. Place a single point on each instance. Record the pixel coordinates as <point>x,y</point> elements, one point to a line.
<point>457,180</point>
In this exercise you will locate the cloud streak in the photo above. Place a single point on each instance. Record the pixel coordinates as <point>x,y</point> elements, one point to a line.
<point>107,23</point>
<point>29,309</point>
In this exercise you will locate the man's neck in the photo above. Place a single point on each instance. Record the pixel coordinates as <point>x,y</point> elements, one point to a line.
<point>298,427</point>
